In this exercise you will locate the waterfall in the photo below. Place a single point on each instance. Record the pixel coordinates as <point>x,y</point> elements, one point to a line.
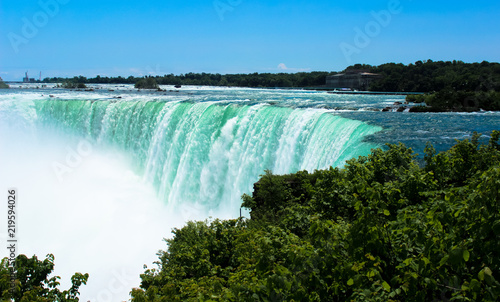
<point>208,153</point>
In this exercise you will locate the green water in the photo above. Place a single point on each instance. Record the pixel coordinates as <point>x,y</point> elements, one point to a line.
<point>209,153</point>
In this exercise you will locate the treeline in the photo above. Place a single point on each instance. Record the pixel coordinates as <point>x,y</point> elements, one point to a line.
<point>267,80</point>
<point>449,86</point>
<point>427,76</point>
<point>380,229</point>
<point>432,76</point>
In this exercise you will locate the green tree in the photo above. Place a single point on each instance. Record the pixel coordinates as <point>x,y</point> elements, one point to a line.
<point>30,281</point>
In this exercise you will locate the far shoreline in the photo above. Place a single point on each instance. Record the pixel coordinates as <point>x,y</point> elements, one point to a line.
<point>396,107</point>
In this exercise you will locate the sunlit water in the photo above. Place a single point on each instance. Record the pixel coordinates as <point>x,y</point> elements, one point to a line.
<point>104,175</point>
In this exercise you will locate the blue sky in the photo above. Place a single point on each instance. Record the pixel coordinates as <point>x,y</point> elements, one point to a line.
<point>111,38</point>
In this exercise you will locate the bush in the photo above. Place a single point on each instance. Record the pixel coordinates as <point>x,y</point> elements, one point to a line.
<point>415,98</point>
<point>147,83</point>
<point>73,85</point>
<point>3,85</point>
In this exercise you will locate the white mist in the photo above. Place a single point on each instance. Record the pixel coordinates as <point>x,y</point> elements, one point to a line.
<point>87,208</point>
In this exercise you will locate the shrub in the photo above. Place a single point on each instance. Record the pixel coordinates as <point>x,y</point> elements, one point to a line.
<point>3,85</point>
<point>146,83</point>
<point>32,281</point>
<point>73,85</point>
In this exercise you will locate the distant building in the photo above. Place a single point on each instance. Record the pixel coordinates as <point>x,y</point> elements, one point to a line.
<point>26,79</point>
<point>352,79</point>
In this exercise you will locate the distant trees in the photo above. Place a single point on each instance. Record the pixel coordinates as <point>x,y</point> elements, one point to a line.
<point>73,83</point>
<point>263,80</point>
<point>430,76</point>
<point>450,100</point>
<point>422,76</point>
<point>146,83</point>
<point>259,80</point>
<point>451,86</point>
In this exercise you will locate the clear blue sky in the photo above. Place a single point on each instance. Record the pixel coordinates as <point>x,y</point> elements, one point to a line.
<point>110,38</point>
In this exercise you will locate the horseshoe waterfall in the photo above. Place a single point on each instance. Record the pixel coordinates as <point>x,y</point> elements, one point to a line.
<point>209,153</point>
<point>103,180</point>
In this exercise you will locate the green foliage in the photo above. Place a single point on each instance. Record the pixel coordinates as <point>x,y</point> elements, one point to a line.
<point>3,85</point>
<point>451,86</point>
<point>269,80</point>
<point>430,76</point>
<point>196,267</point>
<point>74,83</point>
<point>380,229</point>
<point>146,83</point>
<point>415,98</point>
<point>447,100</point>
<point>32,282</point>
